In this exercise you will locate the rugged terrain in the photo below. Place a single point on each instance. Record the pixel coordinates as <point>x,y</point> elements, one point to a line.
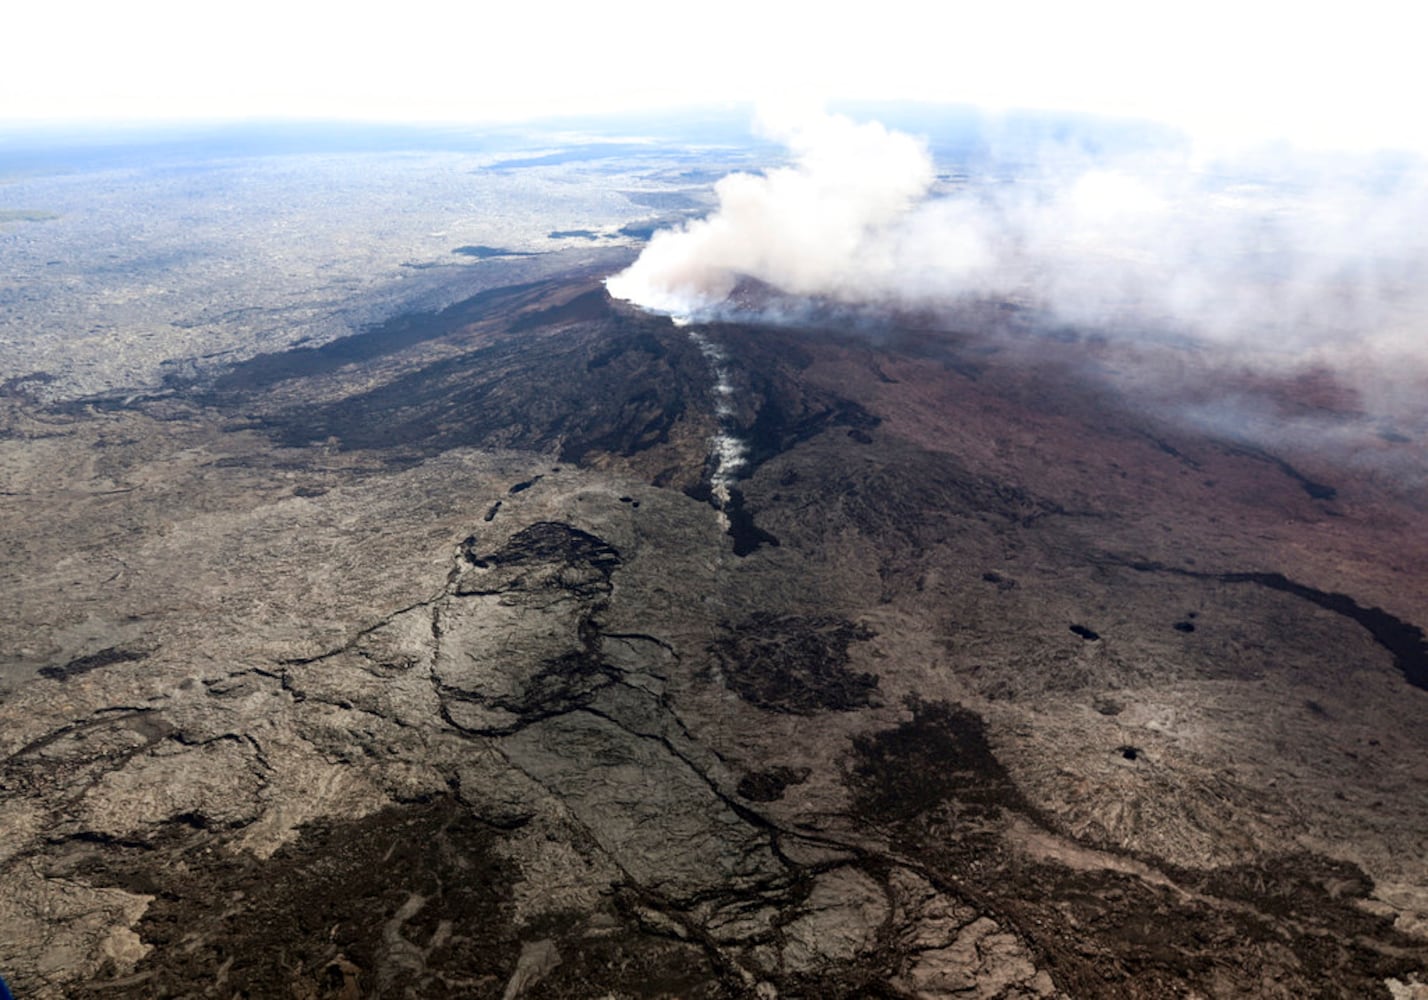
<point>427,663</point>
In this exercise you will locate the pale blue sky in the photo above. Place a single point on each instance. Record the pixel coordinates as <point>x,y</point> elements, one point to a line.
<point>1347,76</point>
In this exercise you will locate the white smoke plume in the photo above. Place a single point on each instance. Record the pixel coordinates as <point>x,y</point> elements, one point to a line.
<point>819,224</point>
<point>1284,258</point>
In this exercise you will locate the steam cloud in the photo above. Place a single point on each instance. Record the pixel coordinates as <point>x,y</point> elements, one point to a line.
<point>1282,259</point>
<point>805,229</point>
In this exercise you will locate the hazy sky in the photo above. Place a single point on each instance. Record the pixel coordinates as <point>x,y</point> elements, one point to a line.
<point>1325,74</point>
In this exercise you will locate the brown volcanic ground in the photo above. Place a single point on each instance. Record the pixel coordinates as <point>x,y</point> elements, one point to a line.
<point>419,664</point>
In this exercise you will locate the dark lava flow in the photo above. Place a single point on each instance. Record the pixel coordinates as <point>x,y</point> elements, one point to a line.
<point>787,414</point>
<point>84,664</point>
<point>747,535</point>
<point>617,382</point>
<point>1404,640</point>
<point>386,338</point>
<point>1317,491</point>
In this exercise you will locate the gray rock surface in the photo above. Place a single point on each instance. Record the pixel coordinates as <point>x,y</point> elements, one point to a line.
<point>512,717</point>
